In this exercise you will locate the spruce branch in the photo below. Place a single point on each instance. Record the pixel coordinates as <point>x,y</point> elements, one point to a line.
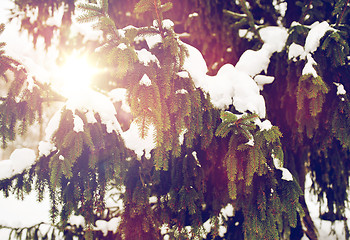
<point>301,20</point>
<point>342,14</point>
<point>250,18</point>
<point>159,17</point>
<point>234,14</point>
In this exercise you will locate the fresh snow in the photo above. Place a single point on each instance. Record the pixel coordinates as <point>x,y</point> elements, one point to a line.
<point>153,40</point>
<point>122,46</point>
<point>119,95</point>
<point>314,36</point>
<point>340,89</point>
<point>20,160</point>
<point>229,86</point>
<point>286,175</point>
<point>183,74</point>
<point>78,123</point>
<point>145,80</point>
<point>261,80</point>
<point>181,91</point>
<point>274,38</point>
<point>45,148</point>
<point>90,117</point>
<point>105,226</point>
<point>312,42</point>
<point>234,85</point>
<point>53,125</point>
<point>139,145</point>
<point>294,51</point>
<point>309,66</point>
<point>166,24</point>
<point>96,102</point>
<point>26,213</point>
<point>264,126</point>
<point>78,221</point>
<point>146,57</point>
<point>253,62</point>
<point>195,14</point>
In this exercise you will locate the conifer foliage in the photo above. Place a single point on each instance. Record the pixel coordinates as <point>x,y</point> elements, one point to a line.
<point>198,166</point>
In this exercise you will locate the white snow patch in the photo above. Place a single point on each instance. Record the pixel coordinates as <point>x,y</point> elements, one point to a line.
<point>119,95</point>
<point>139,145</point>
<point>274,38</point>
<point>308,68</point>
<point>30,83</point>
<point>78,221</point>
<point>164,229</point>
<point>122,46</point>
<point>253,62</point>
<point>323,227</point>
<point>97,103</point>
<point>245,33</point>
<point>194,14</point>
<point>20,160</point>
<point>146,57</point>
<point>250,141</point>
<point>145,80</point>
<point>167,24</point>
<point>229,85</point>
<point>152,200</point>
<point>314,36</point>
<point>90,117</point>
<point>26,213</point>
<point>195,64</point>
<point>53,125</point>
<point>286,175</point>
<point>227,211</point>
<point>45,148</point>
<point>181,91</point>
<point>152,40</point>
<point>261,80</point>
<point>183,74</point>
<point>182,136</point>
<point>294,51</point>
<point>340,88</point>
<point>264,126</point>
<point>105,226</point>
<point>78,123</point>
<point>234,85</point>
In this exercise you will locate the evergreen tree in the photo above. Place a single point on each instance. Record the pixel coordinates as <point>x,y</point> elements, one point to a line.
<point>211,165</point>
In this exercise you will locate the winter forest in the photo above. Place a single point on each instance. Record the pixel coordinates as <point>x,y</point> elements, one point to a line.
<point>164,119</point>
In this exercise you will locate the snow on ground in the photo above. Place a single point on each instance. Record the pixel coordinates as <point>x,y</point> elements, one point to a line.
<point>323,227</point>
<point>16,213</point>
<point>29,212</point>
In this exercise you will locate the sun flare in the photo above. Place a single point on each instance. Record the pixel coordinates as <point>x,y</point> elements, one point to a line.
<point>74,76</point>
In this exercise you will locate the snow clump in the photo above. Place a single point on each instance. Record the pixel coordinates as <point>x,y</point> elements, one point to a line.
<point>20,160</point>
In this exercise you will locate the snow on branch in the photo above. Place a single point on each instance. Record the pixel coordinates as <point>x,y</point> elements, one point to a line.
<point>20,160</point>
